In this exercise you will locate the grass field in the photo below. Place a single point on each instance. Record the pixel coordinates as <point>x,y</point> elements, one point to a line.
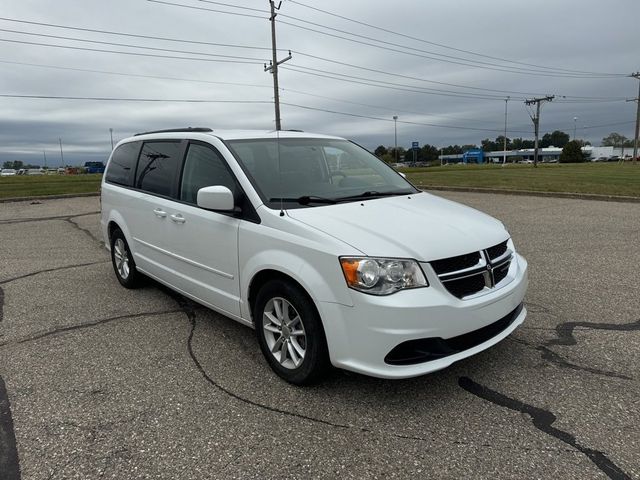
<point>598,178</point>
<point>36,185</point>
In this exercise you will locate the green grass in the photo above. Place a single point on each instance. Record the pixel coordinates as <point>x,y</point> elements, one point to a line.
<point>37,185</point>
<point>598,178</point>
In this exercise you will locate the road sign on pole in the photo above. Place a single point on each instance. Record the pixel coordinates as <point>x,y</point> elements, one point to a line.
<point>415,145</point>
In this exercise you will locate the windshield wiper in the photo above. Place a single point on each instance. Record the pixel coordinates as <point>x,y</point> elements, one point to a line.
<point>306,200</point>
<point>374,194</point>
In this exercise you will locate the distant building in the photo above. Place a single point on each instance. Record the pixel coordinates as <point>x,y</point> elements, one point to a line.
<point>549,154</point>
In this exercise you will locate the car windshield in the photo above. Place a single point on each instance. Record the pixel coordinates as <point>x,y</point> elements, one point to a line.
<point>311,171</point>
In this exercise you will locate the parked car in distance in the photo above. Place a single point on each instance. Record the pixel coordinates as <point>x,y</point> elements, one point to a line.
<point>94,167</point>
<point>326,251</point>
<point>7,172</point>
<point>599,159</point>
<point>35,171</point>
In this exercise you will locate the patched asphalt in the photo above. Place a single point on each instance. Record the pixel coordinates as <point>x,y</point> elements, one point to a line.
<point>97,381</point>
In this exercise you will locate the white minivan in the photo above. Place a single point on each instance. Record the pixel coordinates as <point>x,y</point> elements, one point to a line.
<point>327,252</point>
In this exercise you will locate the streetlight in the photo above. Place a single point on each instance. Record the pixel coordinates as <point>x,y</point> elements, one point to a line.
<point>504,155</point>
<point>575,119</point>
<point>61,154</point>
<point>111,133</point>
<point>395,134</point>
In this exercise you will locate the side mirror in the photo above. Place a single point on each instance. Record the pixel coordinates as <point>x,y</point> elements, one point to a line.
<point>402,174</point>
<point>216,198</point>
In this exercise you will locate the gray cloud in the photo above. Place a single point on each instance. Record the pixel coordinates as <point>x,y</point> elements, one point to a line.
<point>573,34</point>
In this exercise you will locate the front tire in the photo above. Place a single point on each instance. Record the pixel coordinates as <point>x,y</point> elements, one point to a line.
<point>123,264</point>
<point>290,332</point>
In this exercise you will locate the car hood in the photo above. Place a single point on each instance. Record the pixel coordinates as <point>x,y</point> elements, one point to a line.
<point>420,226</point>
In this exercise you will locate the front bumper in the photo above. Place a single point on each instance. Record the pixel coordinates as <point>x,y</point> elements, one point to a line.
<point>361,336</point>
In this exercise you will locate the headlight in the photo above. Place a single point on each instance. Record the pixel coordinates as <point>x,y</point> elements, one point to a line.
<point>382,276</point>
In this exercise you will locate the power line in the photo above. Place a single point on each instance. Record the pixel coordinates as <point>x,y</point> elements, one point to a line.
<point>388,85</point>
<point>265,102</point>
<point>503,68</point>
<point>407,77</point>
<point>133,35</point>
<point>196,42</point>
<point>285,90</point>
<point>506,69</point>
<point>235,6</point>
<point>101,42</point>
<point>173,57</point>
<point>443,45</point>
<point>138,75</point>
<point>383,119</point>
<point>193,7</point>
<point>118,99</point>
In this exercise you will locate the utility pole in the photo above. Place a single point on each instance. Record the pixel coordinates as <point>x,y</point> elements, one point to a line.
<point>45,159</point>
<point>111,133</point>
<point>504,157</point>
<point>575,119</point>
<point>536,121</point>
<point>273,65</point>
<point>395,135</point>
<point>637,100</point>
<point>61,154</point>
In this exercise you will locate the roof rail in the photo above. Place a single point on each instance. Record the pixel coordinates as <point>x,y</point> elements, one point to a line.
<point>293,130</point>
<point>172,130</point>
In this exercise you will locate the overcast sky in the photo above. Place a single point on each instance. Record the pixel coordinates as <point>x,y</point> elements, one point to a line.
<point>566,48</point>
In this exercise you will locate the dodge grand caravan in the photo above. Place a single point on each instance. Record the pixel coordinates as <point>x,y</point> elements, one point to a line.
<point>328,253</point>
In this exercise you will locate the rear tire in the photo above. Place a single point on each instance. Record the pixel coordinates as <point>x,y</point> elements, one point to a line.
<point>123,264</point>
<point>290,332</point>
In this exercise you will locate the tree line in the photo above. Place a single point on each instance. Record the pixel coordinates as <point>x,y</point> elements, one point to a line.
<point>429,153</point>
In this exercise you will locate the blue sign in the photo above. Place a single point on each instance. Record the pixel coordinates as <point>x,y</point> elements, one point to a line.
<point>415,145</point>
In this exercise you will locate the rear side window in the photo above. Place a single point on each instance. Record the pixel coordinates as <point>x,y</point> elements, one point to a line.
<point>159,167</point>
<point>204,167</point>
<point>123,164</point>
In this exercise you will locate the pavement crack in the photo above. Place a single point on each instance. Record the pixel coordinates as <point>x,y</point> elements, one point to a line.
<point>565,330</point>
<point>553,357</point>
<point>187,308</point>
<point>44,219</point>
<point>48,270</point>
<point>58,331</point>
<point>1,303</point>
<point>543,420</point>
<point>88,232</point>
<point>565,337</point>
<point>9,460</point>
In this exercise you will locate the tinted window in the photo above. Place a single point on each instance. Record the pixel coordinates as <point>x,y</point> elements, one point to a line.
<point>158,167</point>
<point>204,167</point>
<point>123,164</point>
<point>291,168</point>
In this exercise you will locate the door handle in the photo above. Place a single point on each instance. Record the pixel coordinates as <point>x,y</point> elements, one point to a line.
<point>160,213</point>
<point>178,218</point>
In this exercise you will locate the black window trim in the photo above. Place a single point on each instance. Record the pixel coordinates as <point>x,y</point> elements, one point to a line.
<point>176,181</point>
<point>135,166</point>
<point>247,213</point>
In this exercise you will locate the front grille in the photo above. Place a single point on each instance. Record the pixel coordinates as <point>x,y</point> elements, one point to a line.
<point>426,349</point>
<point>497,250</point>
<point>471,273</point>
<point>453,264</point>
<point>464,287</point>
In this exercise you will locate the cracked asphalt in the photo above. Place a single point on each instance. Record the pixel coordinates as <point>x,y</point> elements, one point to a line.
<point>101,382</point>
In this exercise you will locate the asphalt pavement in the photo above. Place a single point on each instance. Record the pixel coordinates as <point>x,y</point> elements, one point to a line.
<point>97,381</point>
